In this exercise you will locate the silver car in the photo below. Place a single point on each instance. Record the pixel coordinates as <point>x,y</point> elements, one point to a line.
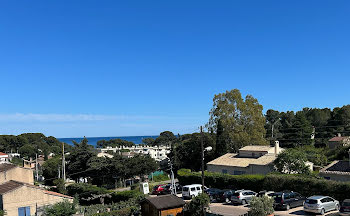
<point>242,196</point>
<point>320,204</point>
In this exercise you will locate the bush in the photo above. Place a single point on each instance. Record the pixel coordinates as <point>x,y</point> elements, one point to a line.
<point>194,208</point>
<point>121,212</point>
<point>64,208</point>
<point>306,185</point>
<point>124,195</point>
<point>159,178</point>
<point>84,191</point>
<point>261,206</point>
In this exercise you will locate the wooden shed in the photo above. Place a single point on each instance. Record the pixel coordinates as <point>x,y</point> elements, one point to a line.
<point>166,205</point>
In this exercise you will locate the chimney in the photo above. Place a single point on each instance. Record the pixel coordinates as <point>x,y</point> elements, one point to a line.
<point>339,134</point>
<point>277,147</point>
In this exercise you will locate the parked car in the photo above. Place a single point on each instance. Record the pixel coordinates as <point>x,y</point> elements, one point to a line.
<point>288,199</point>
<point>167,189</point>
<point>266,193</point>
<point>320,204</point>
<point>190,191</point>
<point>213,193</point>
<point>242,196</point>
<point>345,208</point>
<point>225,195</point>
<point>158,189</point>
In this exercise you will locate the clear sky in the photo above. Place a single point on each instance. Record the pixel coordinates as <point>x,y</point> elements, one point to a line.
<point>116,68</point>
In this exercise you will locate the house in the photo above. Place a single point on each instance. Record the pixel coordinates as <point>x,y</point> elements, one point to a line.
<point>337,171</point>
<point>338,141</point>
<point>3,157</point>
<point>22,199</point>
<point>12,172</point>
<point>158,153</point>
<point>162,206</point>
<point>249,160</point>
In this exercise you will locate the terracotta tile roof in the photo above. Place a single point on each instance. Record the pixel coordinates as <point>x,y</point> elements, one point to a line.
<point>231,159</point>
<point>256,148</point>
<point>165,201</point>
<point>12,185</point>
<point>2,153</point>
<point>9,186</point>
<point>337,139</point>
<point>6,166</point>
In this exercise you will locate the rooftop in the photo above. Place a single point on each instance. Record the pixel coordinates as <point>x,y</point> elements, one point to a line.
<point>337,167</point>
<point>231,159</point>
<point>165,202</point>
<point>255,148</point>
<point>6,166</point>
<point>337,139</point>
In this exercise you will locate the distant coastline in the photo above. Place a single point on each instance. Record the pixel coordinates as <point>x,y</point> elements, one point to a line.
<point>93,140</point>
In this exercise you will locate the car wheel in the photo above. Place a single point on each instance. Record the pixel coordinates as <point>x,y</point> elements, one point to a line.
<point>337,207</point>
<point>287,207</point>
<point>244,202</point>
<point>322,211</point>
<point>227,200</point>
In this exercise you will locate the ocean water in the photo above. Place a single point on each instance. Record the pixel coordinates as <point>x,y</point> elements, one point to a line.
<point>93,140</point>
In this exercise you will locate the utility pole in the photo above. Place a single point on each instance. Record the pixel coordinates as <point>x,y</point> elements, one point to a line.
<point>36,167</point>
<point>273,126</point>
<point>63,164</point>
<point>202,154</point>
<point>313,136</point>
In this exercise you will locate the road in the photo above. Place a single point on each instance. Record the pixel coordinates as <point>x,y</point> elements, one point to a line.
<point>237,210</point>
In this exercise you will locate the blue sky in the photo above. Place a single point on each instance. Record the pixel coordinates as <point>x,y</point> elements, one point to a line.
<point>113,68</point>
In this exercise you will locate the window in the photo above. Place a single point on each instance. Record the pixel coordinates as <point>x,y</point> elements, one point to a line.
<point>253,154</point>
<point>24,211</point>
<point>198,188</point>
<point>193,189</point>
<point>324,200</point>
<point>224,171</point>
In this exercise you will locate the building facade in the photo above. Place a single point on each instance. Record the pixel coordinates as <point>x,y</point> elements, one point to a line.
<point>336,171</point>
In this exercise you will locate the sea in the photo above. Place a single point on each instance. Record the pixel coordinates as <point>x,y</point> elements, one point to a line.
<point>93,140</point>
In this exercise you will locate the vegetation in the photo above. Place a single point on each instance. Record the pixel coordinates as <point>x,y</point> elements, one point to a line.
<point>194,208</point>
<point>306,185</point>
<point>63,208</point>
<point>237,122</point>
<point>292,161</point>
<point>261,206</point>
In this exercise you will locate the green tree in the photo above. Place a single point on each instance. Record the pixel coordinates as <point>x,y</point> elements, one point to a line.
<point>292,161</point>
<point>27,151</point>
<point>165,138</point>
<point>303,129</point>
<point>148,141</point>
<point>141,165</point>
<point>242,119</point>
<point>194,208</point>
<point>50,169</point>
<point>78,160</point>
<point>63,208</point>
<point>261,206</point>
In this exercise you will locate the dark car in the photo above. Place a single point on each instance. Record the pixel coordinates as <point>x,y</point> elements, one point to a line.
<point>167,189</point>
<point>158,189</point>
<point>345,207</point>
<point>225,195</point>
<point>213,192</point>
<point>286,200</point>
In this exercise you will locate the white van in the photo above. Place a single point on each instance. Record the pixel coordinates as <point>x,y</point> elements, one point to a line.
<point>190,191</point>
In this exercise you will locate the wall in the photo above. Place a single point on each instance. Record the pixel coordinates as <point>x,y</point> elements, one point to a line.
<point>17,174</point>
<point>251,169</point>
<point>27,196</point>
<point>251,154</point>
<point>175,212</point>
<point>335,177</point>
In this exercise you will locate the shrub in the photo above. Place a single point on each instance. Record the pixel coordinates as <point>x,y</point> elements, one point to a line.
<point>261,206</point>
<point>64,208</point>
<point>124,195</point>
<point>159,178</point>
<point>194,208</point>
<point>121,212</point>
<point>84,191</point>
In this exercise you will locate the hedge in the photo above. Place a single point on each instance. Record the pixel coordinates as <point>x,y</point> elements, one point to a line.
<point>305,185</point>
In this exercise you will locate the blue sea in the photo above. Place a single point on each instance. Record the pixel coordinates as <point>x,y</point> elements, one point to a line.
<point>93,140</point>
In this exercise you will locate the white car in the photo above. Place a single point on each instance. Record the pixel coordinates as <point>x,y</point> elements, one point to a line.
<point>190,191</point>
<point>320,204</point>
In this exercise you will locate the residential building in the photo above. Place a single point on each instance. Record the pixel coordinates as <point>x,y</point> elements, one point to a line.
<point>12,172</point>
<point>162,206</point>
<point>339,141</point>
<point>250,160</point>
<point>22,199</point>
<point>158,153</point>
<point>4,157</point>
<point>337,171</point>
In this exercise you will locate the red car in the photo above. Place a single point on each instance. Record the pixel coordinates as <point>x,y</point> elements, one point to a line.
<point>158,189</point>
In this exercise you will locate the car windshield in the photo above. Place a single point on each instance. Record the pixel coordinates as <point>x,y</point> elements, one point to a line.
<point>311,201</point>
<point>278,197</point>
<point>236,194</point>
<point>185,189</point>
<point>346,204</point>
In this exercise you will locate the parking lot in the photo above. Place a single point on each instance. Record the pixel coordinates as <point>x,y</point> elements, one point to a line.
<point>237,210</point>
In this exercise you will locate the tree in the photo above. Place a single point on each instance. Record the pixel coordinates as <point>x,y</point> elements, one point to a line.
<point>114,143</point>
<point>50,168</point>
<point>261,206</point>
<point>27,151</point>
<point>194,208</point>
<point>242,119</point>
<point>292,161</point>
<point>148,141</point>
<point>79,158</point>
<point>303,129</point>
<point>141,165</point>
<point>165,138</point>
<point>64,208</point>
